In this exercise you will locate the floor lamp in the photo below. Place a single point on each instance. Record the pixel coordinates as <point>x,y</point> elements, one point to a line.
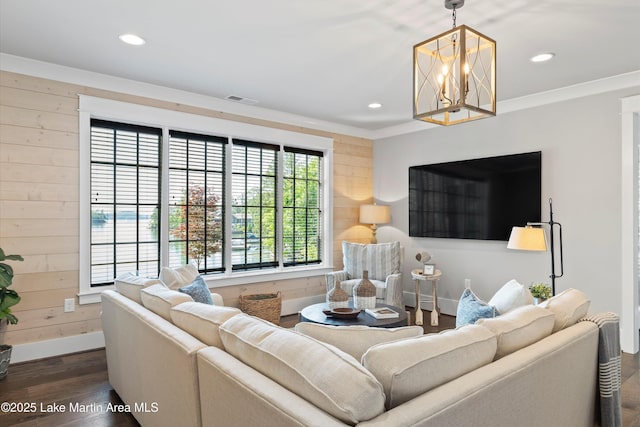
<point>532,238</point>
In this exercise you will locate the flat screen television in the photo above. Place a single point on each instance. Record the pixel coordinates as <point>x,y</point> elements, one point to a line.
<point>475,199</point>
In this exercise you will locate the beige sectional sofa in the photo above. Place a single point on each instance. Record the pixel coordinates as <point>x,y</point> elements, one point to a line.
<point>215,366</point>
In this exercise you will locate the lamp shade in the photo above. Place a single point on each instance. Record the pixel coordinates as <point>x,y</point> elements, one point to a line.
<point>374,214</point>
<point>527,239</point>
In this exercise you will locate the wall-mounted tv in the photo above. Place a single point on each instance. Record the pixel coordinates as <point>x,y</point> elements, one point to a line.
<point>475,199</point>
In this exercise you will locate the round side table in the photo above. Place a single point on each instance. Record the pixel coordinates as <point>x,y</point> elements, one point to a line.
<point>418,276</point>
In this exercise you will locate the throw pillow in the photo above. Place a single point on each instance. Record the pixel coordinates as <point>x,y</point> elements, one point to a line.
<point>568,307</point>
<point>356,340</point>
<point>511,295</point>
<point>175,278</point>
<point>472,308</point>
<point>198,290</point>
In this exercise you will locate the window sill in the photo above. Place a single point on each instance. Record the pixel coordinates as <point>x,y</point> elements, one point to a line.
<point>259,276</point>
<point>214,281</point>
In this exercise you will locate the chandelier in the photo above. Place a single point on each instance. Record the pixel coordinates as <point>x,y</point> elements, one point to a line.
<point>454,75</point>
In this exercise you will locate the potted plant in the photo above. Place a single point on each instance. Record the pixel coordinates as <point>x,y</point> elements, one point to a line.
<point>540,292</point>
<point>8,298</point>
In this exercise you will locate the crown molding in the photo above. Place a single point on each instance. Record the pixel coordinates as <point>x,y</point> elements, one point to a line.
<point>71,75</point>
<point>567,93</point>
<point>47,70</point>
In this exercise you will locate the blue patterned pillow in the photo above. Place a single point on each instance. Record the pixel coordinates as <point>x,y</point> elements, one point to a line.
<point>198,290</point>
<point>472,308</point>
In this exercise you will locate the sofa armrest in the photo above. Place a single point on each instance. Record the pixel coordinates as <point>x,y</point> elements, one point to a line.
<point>335,276</point>
<point>394,290</point>
<point>217,299</point>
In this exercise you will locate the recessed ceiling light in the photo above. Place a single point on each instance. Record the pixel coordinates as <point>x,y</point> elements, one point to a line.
<point>375,105</point>
<point>132,39</point>
<point>542,57</point>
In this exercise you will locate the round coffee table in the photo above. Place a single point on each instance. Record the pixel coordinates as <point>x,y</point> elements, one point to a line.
<point>314,314</point>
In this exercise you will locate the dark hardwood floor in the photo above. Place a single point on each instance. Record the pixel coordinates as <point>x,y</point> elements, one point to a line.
<point>79,381</point>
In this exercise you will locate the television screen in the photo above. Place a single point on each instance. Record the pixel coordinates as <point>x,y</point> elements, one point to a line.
<point>475,199</point>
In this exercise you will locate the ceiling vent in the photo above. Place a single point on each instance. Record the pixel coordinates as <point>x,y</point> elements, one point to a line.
<point>241,100</point>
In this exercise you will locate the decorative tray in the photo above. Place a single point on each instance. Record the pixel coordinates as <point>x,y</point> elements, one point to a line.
<point>342,313</point>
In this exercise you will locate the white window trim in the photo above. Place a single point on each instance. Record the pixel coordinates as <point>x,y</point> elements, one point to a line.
<point>106,109</point>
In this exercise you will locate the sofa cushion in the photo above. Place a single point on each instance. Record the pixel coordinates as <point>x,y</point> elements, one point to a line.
<point>472,308</point>
<point>325,376</point>
<point>130,285</point>
<point>511,295</point>
<point>202,320</point>
<point>569,306</point>
<point>356,340</point>
<point>382,260</point>
<point>160,299</point>
<point>519,328</point>
<point>198,290</point>
<point>178,277</point>
<point>353,259</point>
<point>410,367</point>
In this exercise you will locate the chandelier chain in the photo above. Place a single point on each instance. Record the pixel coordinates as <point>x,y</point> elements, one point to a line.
<point>453,15</point>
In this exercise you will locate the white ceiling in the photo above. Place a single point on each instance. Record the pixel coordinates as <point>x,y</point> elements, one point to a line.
<point>323,59</point>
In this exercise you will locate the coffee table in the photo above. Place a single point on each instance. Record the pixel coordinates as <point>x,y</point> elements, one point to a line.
<point>314,314</point>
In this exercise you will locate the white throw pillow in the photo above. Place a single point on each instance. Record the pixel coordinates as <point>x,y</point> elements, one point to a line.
<point>130,285</point>
<point>519,328</point>
<point>160,299</point>
<point>568,307</point>
<point>202,320</point>
<point>176,278</point>
<point>511,295</point>
<point>410,367</point>
<point>325,376</point>
<point>356,340</point>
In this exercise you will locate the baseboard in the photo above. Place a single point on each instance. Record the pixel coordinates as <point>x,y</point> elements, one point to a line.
<point>56,347</point>
<point>446,305</point>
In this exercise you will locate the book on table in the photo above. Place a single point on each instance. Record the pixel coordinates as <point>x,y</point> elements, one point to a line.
<point>382,313</point>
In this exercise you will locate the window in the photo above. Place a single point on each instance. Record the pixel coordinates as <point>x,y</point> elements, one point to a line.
<point>301,206</point>
<point>245,203</point>
<point>125,197</point>
<point>254,222</point>
<point>196,200</point>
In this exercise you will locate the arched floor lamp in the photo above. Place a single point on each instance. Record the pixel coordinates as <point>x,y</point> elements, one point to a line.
<point>532,238</point>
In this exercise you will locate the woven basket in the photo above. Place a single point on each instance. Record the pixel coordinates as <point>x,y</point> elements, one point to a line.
<point>264,306</point>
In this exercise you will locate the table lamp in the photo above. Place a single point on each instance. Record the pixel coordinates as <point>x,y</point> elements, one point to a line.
<point>374,215</point>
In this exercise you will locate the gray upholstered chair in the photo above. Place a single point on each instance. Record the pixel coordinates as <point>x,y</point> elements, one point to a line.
<point>382,261</point>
